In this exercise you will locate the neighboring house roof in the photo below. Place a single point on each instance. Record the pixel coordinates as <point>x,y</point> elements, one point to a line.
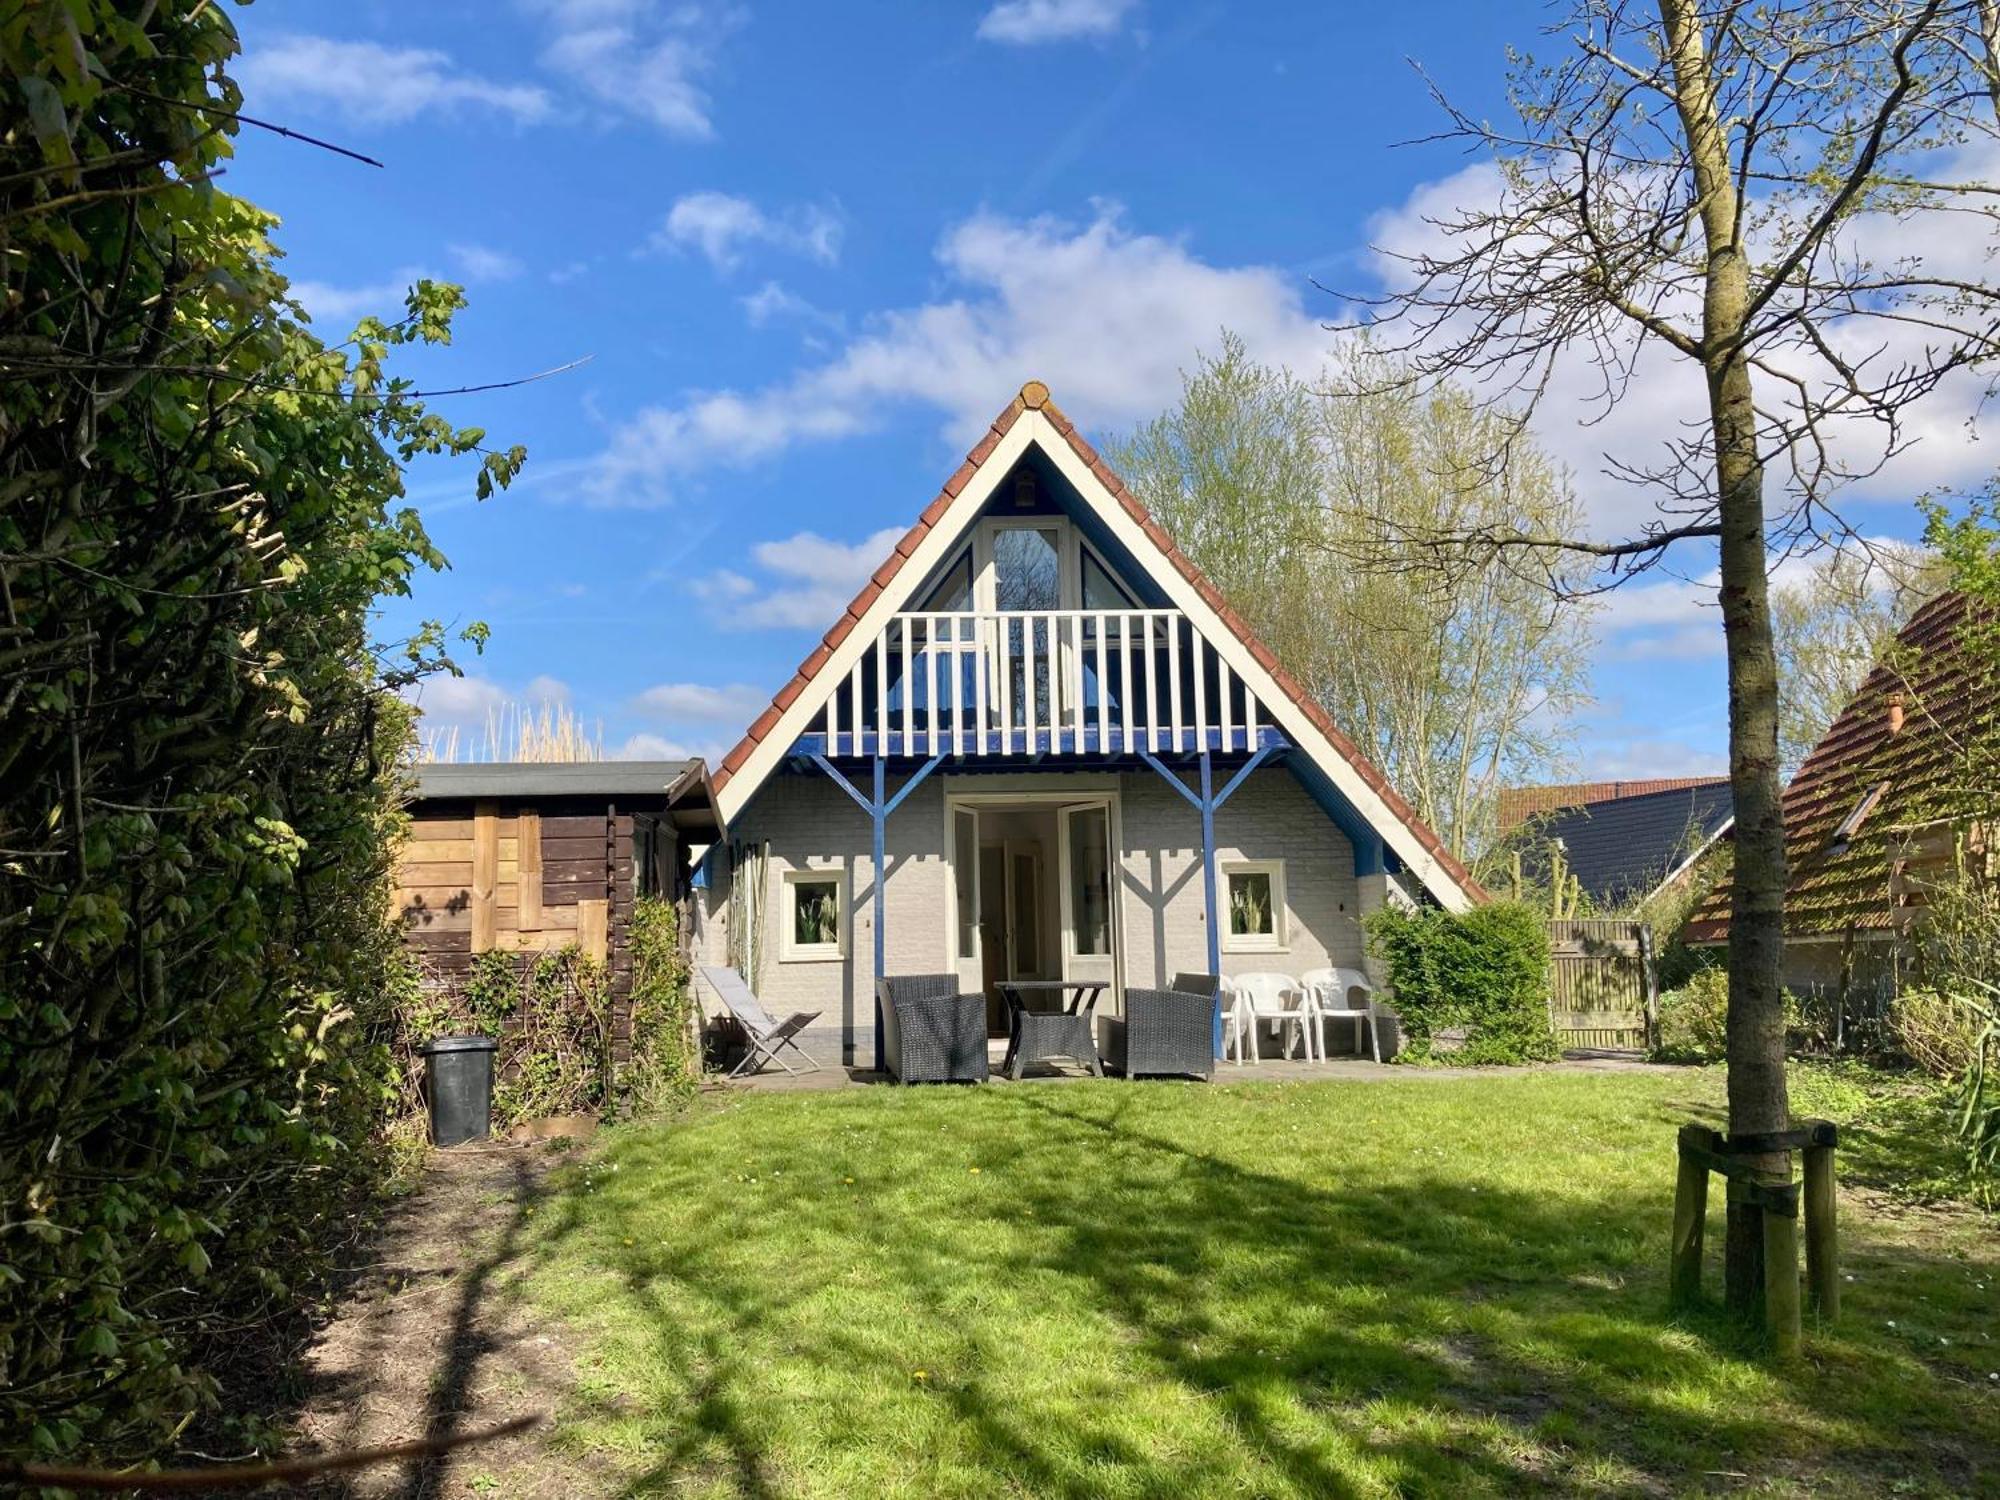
<point>1033,419</point>
<point>1864,801</point>
<point>681,786</point>
<point>1622,849</point>
<point>1517,804</point>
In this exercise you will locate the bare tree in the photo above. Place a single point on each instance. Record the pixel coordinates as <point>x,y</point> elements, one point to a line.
<point>1785,200</point>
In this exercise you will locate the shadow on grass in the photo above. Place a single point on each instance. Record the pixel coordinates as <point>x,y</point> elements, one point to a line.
<point>1200,1324</point>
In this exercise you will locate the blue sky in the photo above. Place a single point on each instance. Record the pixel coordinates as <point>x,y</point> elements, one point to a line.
<point>809,250</point>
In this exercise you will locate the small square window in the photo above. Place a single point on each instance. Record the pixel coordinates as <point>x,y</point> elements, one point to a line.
<point>813,915</point>
<point>1254,898</point>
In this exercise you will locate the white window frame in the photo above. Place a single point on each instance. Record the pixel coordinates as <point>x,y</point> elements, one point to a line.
<point>792,951</point>
<point>1279,939</point>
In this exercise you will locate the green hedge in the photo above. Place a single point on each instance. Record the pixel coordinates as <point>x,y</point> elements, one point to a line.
<point>199,738</point>
<point>1483,971</point>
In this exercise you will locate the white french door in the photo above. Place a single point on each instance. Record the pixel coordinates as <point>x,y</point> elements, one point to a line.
<point>968,948</point>
<point>1024,576</point>
<point>1086,864</point>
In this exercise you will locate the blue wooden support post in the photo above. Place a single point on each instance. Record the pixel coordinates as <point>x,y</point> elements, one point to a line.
<point>878,807</point>
<point>1206,804</point>
<point>1208,884</point>
<point>878,816</point>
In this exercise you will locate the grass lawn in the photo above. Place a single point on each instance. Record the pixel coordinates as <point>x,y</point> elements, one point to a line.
<point>1415,1287</point>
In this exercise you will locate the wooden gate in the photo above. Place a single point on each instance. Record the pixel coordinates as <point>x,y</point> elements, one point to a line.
<point>1601,994</point>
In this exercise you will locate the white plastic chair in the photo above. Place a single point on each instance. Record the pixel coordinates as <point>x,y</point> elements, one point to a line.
<point>1276,999</point>
<point>1332,996</point>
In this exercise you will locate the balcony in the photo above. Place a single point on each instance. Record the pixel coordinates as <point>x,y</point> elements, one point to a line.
<point>1070,682</point>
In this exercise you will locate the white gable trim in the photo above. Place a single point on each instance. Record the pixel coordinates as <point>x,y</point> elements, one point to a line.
<point>1306,736</point>
<point>948,533</point>
<point>945,537</point>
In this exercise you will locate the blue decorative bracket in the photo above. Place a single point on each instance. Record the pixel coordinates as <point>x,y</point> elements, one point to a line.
<point>1206,802</point>
<point>878,808</point>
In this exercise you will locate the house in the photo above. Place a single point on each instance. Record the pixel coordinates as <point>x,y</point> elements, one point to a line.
<point>1518,804</point>
<point>529,857</point>
<point>1039,743</point>
<point>1864,824</point>
<point>1626,848</point>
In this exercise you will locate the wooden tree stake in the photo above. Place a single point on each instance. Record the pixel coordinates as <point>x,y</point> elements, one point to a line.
<point>1781,1281</point>
<point>1822,1235</point>
<point>1690,1217</point>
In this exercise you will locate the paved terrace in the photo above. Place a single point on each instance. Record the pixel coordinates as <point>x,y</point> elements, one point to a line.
<point>1333,1070</point>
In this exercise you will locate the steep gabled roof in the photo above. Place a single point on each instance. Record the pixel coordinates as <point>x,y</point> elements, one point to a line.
<point>1624,848</point>
<point>761,747</point>
<point>1865,798</point>
<point>1517,804</point>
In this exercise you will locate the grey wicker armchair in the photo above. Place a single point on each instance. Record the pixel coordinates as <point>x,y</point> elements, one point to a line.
<point>1162,1031</point>
<point>931,1032</point>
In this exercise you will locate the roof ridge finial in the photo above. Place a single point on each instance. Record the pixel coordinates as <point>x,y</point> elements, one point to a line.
<point>1034,395</point>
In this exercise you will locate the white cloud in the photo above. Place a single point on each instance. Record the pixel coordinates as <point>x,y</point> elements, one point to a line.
<point>1024,22</point>
<point>643,58</point>
<point>1644,757</point>
<point>462,701</point>
<point>1109,318</point>
<point>367,84</point>
<point>662,747</point>
<point>1665,401</point>
<point>484,263</point>
<point>808,580</point>
<point>772,304</point>
<point>698,702</point>
<point>721,226</point>
<point>329,301</point>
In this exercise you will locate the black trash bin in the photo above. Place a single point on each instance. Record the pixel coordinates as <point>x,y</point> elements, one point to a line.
<point>458,1075</point>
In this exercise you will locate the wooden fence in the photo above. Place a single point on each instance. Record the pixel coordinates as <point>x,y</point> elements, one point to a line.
<point>1601,984</point>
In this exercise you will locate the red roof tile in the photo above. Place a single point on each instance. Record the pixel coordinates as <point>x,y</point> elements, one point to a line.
<point>1034,396</point>
<point>1517,804</point>
<point>1947,702</point>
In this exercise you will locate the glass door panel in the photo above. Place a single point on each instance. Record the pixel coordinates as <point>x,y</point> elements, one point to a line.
<point>1089,942</point>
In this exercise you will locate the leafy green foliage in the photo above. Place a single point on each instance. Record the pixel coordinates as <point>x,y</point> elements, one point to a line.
<point>665,1065</point>
<point>1694,1019</point>
<point>1323,503</point>
<point>1484,972</point>
<point>198,740</point>
<point>550,1013</point>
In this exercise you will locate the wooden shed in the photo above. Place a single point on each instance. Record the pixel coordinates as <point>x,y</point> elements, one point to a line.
<point>529,857</point>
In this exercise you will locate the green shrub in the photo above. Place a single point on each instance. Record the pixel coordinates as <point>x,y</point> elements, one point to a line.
<point>1485,971</point>
<point>666,1058</point>
<point>1694,1019</point>
<point>550,1014</point>
<point>1937,1031</point>
<point>198,748</point>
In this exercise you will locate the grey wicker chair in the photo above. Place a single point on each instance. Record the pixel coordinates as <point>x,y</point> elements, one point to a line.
<point>931,1032</point>
<point>1162,1031</point>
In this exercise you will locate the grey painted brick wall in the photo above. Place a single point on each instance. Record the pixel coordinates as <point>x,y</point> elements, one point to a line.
<point>810,823</point>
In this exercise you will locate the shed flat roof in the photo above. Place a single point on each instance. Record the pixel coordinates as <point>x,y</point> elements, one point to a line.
<point>594,778</point>
<point>680,788</point>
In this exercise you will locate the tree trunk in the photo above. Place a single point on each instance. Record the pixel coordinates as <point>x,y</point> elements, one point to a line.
<point>1757,1101</point>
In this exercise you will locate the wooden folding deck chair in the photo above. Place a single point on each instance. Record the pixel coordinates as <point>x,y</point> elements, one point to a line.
<point>768,1038</point>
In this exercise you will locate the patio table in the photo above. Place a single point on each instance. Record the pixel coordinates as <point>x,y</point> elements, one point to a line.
<point>1035,1034</point>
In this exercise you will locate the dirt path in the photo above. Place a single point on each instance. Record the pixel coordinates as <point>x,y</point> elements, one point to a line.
<point>432,1339</point>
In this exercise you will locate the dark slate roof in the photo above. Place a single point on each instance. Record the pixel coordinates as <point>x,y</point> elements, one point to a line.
<point>593,778</point>
<point>678,789</point>
<point>1621,848</point>
<point>1908,731</point>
